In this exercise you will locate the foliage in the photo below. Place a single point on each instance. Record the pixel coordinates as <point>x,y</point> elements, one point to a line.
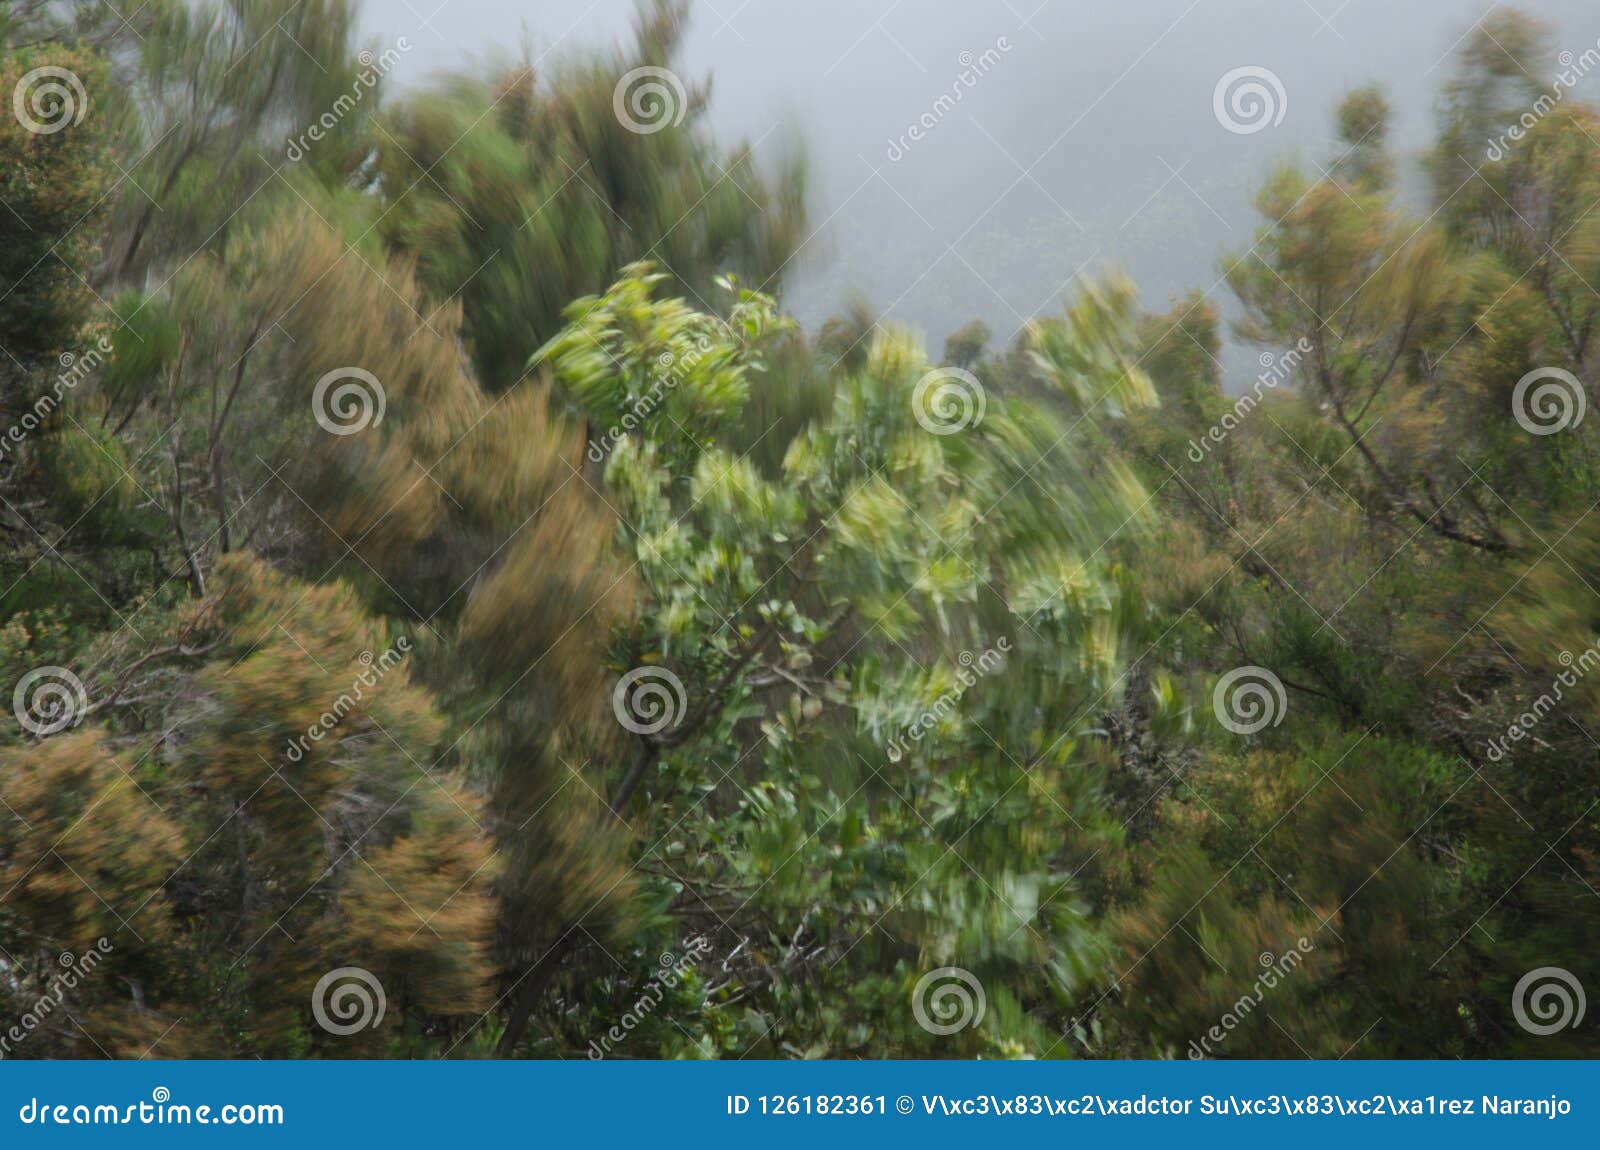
<point>449,564</point>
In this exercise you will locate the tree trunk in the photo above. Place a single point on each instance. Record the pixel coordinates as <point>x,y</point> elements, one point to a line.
<point>530,990</point>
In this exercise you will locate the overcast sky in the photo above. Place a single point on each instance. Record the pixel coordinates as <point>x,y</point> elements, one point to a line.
<point>1089,142</point>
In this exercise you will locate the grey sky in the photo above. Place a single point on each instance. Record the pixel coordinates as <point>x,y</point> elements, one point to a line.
<point>1090,143</point>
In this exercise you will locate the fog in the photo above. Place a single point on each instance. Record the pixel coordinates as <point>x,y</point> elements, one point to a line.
<point>1084,138</point>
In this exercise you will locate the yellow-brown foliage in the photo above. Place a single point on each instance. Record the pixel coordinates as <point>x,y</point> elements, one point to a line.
<point>83,851</point>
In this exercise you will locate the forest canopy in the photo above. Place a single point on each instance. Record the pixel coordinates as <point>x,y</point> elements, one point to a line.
<point>451,608</point>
